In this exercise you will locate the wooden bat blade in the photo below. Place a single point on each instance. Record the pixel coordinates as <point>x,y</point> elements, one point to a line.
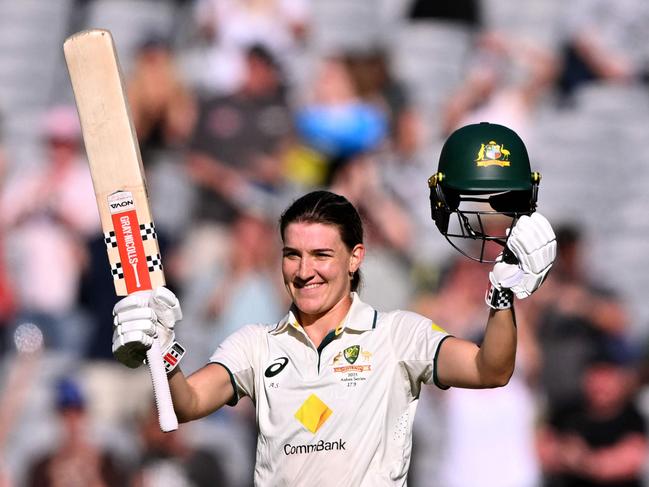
<point>115,162</point>
<point>119,183</point>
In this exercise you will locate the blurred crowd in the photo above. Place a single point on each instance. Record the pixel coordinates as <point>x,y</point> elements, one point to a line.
<point>239,109</point>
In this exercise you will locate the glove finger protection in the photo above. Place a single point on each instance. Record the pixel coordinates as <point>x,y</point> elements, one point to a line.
<point>533,243</point>
<point>142,317</point>
<point>166,306</point>
<point>167,309</point>
<point>134,329</point>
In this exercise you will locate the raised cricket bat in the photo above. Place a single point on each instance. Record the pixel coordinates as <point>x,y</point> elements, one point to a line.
<point>118,179</point>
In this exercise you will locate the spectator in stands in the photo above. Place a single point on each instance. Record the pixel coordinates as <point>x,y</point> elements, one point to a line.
<point>237,140</point>
<point>505,82</point>
<point>162,105</point>
<point>359,180</point>
<point>603,41</point>
<point>389,228</point>
<point>335,121</point>
<point>170,459</point>
<point>47,212</point>
<point>575,318</point>
<point>249,291</point>
<point>603,442</point>
<point>231,27</point>
<point>76,460</point>
<point>376,83</point>
<point>347,132</point>
<point>245,288</point>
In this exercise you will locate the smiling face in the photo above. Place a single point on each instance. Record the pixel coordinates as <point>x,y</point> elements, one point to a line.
<point>316,266</point>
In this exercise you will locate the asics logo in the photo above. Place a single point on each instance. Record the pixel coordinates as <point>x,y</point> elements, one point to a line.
<point>276,367</point>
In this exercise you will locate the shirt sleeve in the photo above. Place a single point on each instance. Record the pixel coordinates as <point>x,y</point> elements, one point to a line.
<point>238,354</point>
<point>416,342</point>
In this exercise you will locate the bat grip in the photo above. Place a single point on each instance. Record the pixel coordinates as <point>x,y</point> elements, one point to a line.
<point>161,392</point>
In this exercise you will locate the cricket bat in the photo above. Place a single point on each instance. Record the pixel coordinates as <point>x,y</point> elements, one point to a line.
<point>119,183</point>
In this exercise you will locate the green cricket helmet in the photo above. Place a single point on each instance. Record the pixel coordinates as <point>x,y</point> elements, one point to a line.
<point>485,183</point>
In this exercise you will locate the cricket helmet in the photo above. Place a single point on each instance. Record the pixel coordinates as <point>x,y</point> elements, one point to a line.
<point>483,184</point>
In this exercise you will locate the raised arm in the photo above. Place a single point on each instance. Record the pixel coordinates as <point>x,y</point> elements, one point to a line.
<point>200,394</point>
<point>462,363</point>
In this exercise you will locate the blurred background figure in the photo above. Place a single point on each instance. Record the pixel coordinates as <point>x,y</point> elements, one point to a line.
<point>388,228</point>
<point>230,27</point>
<point>19,382</point>
<point>604,441</point>
<point>376,83</point>
<point>75,460</point>
<point>333,121</point>
<point>245,289</point>
<point>164,110</point>
<point>169,459</point>
<point>48,211</point>
<point>237,140</point>
<point>249,291</point>
<point>603,42</point>
<point>574,318</point>
<point>505,82</point>
<point>162,105</point>
<point>7,298</point>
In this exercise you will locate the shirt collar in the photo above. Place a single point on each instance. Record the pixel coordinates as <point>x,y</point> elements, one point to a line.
<point>360,317</point>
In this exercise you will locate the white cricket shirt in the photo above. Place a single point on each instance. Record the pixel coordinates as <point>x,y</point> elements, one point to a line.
<point>341,415</point>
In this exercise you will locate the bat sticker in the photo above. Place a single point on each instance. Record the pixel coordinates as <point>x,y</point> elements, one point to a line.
<point>129,241</point>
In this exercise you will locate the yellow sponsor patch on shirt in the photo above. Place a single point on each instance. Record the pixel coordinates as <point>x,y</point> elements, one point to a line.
<point>437,328</point>
<point>313,413</point>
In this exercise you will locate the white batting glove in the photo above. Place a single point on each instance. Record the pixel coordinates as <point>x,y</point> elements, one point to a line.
<point>141,317</point>
<point>533,243</point>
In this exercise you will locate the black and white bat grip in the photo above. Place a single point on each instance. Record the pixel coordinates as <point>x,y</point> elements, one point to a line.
<point>161,392</point>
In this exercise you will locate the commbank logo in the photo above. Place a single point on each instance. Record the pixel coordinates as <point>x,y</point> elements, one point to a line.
<point>313,413</point>
<point>315,447</point>
<point>276,367</point>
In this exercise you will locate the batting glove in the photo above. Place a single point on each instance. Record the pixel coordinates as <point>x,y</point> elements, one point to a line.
<point>533,244</point>
<point>140,318</point>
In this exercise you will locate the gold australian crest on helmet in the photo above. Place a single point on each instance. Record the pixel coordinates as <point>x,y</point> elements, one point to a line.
<point>493,153</point>
<point>483,184</point>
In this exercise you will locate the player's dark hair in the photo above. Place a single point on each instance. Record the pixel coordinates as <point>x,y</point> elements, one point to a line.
<point>329,209</point>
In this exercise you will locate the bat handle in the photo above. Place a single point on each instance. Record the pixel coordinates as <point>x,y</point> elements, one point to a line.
<point>161,392</point>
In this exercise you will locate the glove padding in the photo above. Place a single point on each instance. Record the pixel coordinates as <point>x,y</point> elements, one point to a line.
<point>533,243</point>
<point>138,319</point>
